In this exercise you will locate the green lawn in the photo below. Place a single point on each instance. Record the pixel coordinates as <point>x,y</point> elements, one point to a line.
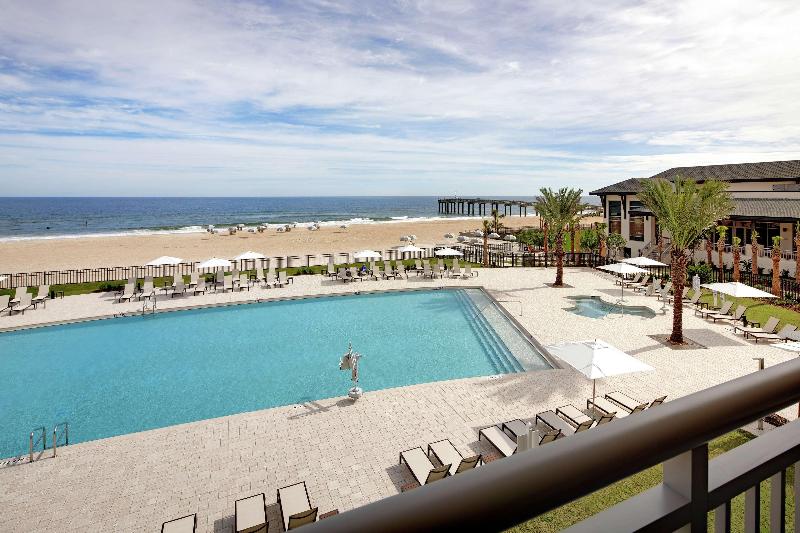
<point>590,505</point>
<point>760,311</point>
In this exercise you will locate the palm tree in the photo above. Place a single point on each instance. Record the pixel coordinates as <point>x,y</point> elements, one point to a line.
<point>776,266</point>
<point>601,231</point>
<point>496,224</point>
<point>737,252</point>
<point>721,231</point>
<point>686,210</point>
<point>754,255</point>
<point>797,252</point>
<point>487,228</point>
<point>559,209</point>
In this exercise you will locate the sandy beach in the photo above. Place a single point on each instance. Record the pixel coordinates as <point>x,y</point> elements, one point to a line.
<point>87,252</point>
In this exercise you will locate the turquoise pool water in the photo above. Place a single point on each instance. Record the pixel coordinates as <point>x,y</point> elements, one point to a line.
<point>595,307</point>
<point>123,375</point>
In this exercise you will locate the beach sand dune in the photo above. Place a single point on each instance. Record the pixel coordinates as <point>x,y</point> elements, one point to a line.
<point>59,254</point>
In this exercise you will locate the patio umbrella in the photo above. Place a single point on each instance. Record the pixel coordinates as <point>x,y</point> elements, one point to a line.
<point>366,254</point>
<point>165,260</point>
<point>249,255</point>
<point>494,235</point>
<point>597,359</point>
<point>215,262</point>
<point>643,261</point>
<point>448,252</point>
<point>623,269</point>
<point>737,290</point>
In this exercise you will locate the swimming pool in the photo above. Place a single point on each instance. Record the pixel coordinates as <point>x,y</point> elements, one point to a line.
<point>596,307</point>
<point>123,375</point>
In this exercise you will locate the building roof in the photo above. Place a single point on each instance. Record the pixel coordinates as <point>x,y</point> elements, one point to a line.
<point>784,208</point>
<point>768,170</point>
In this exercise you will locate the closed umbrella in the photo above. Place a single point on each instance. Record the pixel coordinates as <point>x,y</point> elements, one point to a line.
<point>597,359</point>
<point>623,269</point>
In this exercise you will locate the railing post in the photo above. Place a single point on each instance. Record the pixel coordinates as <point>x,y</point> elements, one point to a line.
<point>687,474</point>
<point>722,518</point>
<point>777,498</point>
<point>752,509</point>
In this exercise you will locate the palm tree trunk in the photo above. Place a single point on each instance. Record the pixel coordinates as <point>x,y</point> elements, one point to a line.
<point>797,257</point>
<point>709,248</point>
<point>736,257</point>
<point>485,250</point>
<point>546,239</point>
<point>776,271</point>
<point>720,249</point>
<point>559,259</point>
<point>572,239</point>
<point>678,275</point>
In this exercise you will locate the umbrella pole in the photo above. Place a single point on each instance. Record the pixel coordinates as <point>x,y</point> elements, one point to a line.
<point>594,395</point>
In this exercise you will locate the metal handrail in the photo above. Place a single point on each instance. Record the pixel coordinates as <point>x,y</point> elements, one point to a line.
<point>43,440</point>
<point>511,490</point>
<point>55,435</point>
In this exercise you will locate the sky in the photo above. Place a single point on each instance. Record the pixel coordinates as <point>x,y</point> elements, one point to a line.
<point>326,97</point>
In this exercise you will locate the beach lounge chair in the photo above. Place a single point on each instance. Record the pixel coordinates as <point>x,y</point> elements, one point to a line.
<point>4,303</point>
<point>735,317</point>
<point>227,283</point>
<point>42,295</point>
<point>401,270</point>
<point>193,276</point>
<point>421,467</point>
<point>219,281</point>
<point>658,401</point>
<point>468,272</point>
<point>342,275</point>
<point>244,282</point>
<point>695,298</point>
<point>447,454</point>
<point>782,335</point>
<point>635,281</point>
<point>179,287</point>
<point>455,272</point>
<point>769,327</point>
<point>603,406</point>
<point>642,284</point>
<point>354,275</point>
<point>573,415</point>
<point>626,402</point>
<point>623,281</point>
<point>499,439</point>
<point>705,313</point>
<point>251,515</point>
<point>554,422</point>
<point>184,524</point>
<point>258,276</point>
<point>295,506</point>
<point>283,279</point>
<point>128,293</point>
<point>517,428</point>
<point>376,273</point>
<point>25,302</point>
<point>426,271</point>
<point>200,287</point>
<point>664,291</point>
<point>147,289</point>
<point>650,290</point>
<point>272,278</point>
<point>684,295</point>
<point>418,266</point>
<point>331,272</point>
<point>18,295</point>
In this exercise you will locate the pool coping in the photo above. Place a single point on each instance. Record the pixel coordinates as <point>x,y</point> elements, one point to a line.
<point>539,347</point>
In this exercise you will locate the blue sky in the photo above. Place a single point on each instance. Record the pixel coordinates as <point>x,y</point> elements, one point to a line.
<point>333,97</point>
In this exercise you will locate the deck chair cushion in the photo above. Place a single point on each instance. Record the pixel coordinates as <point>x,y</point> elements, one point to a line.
<point>293,501</point>
<point>301,519</point>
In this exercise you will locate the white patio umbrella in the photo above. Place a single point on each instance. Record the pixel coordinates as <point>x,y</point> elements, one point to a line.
<point>215,263</point>
<point>643,261</point>
<point>249,255</point>
<point>165,260</point>
<point>623,269</point>
<point>448,252</point>
<point>366,254</point>
<point>737,290</point>
<point>494,235</point>
<point>409,248</point>
<point>597,359</point>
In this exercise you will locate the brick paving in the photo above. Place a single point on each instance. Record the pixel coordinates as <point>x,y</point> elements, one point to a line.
<point>346,452</point>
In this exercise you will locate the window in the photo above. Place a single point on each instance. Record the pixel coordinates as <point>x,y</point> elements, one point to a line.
<point>637,228</point>
<point>615,209</point>
<point>636,205</point>
<point>615,217</point>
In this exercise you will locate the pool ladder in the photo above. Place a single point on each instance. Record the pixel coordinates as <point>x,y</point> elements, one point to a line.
<point>42,437</point>
<point>146,304</point>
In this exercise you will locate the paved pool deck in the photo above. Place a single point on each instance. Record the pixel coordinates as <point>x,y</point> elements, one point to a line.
<point>346,452</point>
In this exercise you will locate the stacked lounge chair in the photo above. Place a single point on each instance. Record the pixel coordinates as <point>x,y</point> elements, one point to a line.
<point>295,506</point>
<point>421,466</point>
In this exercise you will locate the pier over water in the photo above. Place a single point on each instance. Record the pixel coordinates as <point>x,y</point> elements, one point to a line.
<point>478,206</point>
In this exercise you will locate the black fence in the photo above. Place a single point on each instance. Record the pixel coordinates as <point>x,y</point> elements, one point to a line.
<point>503,257</point>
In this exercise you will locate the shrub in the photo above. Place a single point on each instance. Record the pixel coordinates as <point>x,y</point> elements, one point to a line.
<point>701,269</point>
<point>111,286</point>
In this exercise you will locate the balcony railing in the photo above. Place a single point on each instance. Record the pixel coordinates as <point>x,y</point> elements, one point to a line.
<point>512,490</point>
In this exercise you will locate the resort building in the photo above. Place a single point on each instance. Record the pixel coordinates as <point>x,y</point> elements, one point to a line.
<point>766,198</point>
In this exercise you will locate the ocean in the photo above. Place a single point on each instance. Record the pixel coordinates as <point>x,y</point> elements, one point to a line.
<point>51,218</point>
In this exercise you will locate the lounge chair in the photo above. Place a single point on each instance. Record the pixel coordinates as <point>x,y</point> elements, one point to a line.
<point>554,422</point>
<point>258,276</point>
<point>331,272</point>
<point>662,294</point>
<point>251,515</point>
<point>626,402</point>
<point>735,317</point>
<point>147,288</point>
<point>782,335</point>
<point>184,524</point>
<point>421,467</point>
<point>769,327</point>
<point>705,313</point>
<point>18,295</point>
<point>518,428</point>
<point>25,302</point>
<point>227,283</point>
<point>658,401</point>
<point>354,275</point>
<point>684,295</point>
<point>179,287</point>
<point>193,276</point>
<point>468,272</point>
<point>219,281</point>
<point>602,406</point>
<point>283,279</point>
<point>295,506</point>
<point>642,284</point>
<point>244,282</point>
<point>342,275</point>
<point>650,290</point>
<point>498,438</point>
<point>695,298</point>
<point>455,272</point>
<point>418,266</point>
<point>128,293</point>
<point>200,288</point>
<point>42,295</point>
<point>623,281</point>
<point>638,280</point>
<point>573,415</point>
<point>401,270</point>
<point>444,452</point>
<point>4,303</point>
<point>376,273</point>
<point>272,278</point>
<point>427,272</point>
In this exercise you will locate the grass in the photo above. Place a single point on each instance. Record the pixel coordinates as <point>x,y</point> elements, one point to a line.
<point>568,515</point>
<point>760,311</point>
<point>72,289</point>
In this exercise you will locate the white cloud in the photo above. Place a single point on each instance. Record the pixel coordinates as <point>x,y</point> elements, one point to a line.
<point>408,97</point>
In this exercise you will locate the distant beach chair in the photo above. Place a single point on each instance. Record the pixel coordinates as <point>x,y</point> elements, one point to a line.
<point>227,283</point>
<point>18,292</point>
<point>295,506</point>
<point>219,279</point>
<point>283,279</point>
<point>331,272</point>
<point>455,272</point>
<point>185,524</point>
<point>445,453</point>
<point>783,335</point>
<point>251,515</point>
<point>147,288</point>
<point>179,287</point>
<point>632,283</point>
<point>244,282</point>
<point>400,270</point>
<point>342,275</point>
<point>642,285</point>
<point>4,303</point>
<point>684,295</point>
<point>664,292</point>
<point>426,270</point>
<point>421,467</point>
<point>42,295</point>
<point>128,293</point>
<point>271,277</point>
<point>468,272</point>
<point>354,275</point>
<point>193,276</point>
<point>25,302</point>
<point>418,265</point>
<point>200,287</point>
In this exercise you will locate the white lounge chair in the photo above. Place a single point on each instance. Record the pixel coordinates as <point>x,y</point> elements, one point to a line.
<point>227,283</point>
<point>331,272</point>
<point>421,467</point>
<point>128,293</point>
<point>455,272</point>
<point>468,272</point>
<point>445,453</point>
<point>401,270</point>
<point>295,506</point>
<point>179,287</point>
<point>184,524</point>
<point>147,288</point>
<point>251,514</point>
<point>193,277</point>
<point>200,287</point>
<point>498,438</point>
<point>244,283</point>
<point>782,335</point>
<point>735,317</point>
<point>219,280</point>
<point>4,303</point>
<point>18,295</point>
<point>42,295</point>
<point>283,279</point>
<point>769,327</point>
<point>724,310</point>
<point>25,302</point>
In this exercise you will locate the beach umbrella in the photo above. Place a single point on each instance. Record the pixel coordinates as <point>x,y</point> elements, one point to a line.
<point>448,252</point>
<point>510,237</point>
<point>597,359</point>
<point>366,254</point>
<point>249,255</point>
<point>409,248</point>
<point>643,261</point>
<point>737,290</point>
<point>494,235</point>
<point>623,269</point>
<point>215,262</point>
<point>461,238</point>
<point>165,260</point>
